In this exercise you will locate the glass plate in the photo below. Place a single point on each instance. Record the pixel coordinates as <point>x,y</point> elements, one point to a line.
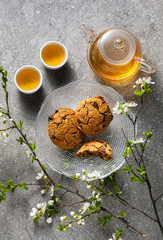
<point>66,162</point>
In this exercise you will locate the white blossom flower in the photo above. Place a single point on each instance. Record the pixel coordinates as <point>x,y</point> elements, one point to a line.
<point>94,174</point>
<point>51,191</point>
<point>1,114</point>
<point>57,199</point>
<point>72,213</point>
<point>113,237</point>
<point>116,108</point>
<point>129,104</point>
<point>43,191</point>
<point>138,140</point>
<point>11,120</point>
<point>98,196</point>
<point>49,220</point>
<point>63,219</point>
<point>77,175</point>
<point>125,109</point>
<point>40,175</point>
<point>81,222</point>
<point>83,178</point>
<point>3,137</point>
<point>28,152</point>
<point>144,80</point>
<point>134,86</point>
<point>89,186</point>
<point>93,193</point>
<point>85,206</point>
<point>39,205</point>
<point>34,212</point>
<point>43,207</point>
<point>139,81</point>
<point>51,202</point>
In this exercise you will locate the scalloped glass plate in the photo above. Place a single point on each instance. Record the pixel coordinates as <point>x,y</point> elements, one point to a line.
<point>66,161</point>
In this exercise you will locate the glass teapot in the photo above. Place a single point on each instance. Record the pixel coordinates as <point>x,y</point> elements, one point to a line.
<point>115,54</point>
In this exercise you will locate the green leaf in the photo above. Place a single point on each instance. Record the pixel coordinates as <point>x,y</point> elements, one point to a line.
<point>20,186</point>
<point>98,204</point>
<point>138,171</point>
<point>100,220</point>
<point>74,177</point>
<point>33,158</point>
<point>141,180</point>
<point>136,92</point>
<point>60,228</point>
<point>1,187</point>
<point>65,228</point>
<point>20,124</point>
<point>58,186</point>
<point>92,208</point>
<point>44,168</point>
<point>36,219</point>
<point>117,189</point>
<point>20,140</point>
<point>33,146</point>
<point>10,183</point>
<point>143,173</point>
<point>2,197</point>
<point>149,91</point>
<point>122,215</point>
<point>129,143</point>
<point>142,167</point>
<point>109,193</point>
<point>134,178</point>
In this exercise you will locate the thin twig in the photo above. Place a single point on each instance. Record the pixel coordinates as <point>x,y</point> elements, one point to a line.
<point>60,179</point>
<point>158,197</point>
<point>75,184</point>
<point>69,205</point>
<point>6,129</point>
<point>124,221</point>
<point>63,194</point>
<point>130,146</point>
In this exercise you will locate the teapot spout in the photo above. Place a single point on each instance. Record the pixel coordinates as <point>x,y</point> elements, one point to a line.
<point>89,34</point>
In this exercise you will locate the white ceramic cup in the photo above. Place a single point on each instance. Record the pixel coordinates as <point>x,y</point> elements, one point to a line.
<point>28,67</point>
<point>59,65</point>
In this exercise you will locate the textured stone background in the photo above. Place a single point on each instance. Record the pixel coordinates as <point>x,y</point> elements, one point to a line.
<point>24,27</point>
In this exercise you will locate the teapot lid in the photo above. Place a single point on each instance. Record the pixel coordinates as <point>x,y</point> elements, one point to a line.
<point>117,46</point>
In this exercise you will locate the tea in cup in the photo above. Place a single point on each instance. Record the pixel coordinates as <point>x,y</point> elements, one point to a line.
<point>28,79</point>
<point>53,55</point>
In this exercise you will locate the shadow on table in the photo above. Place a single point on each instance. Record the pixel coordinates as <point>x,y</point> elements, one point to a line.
<point>60,77</point>
<point>32,102</point>
<point>124,88</point>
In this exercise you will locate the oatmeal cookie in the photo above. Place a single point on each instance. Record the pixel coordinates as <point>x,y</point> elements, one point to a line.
<point>93,115</point>
<point>98,148</point>
<point>63,129</point>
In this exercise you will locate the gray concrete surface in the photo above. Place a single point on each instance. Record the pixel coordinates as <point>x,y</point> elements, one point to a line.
<point>24,27</point>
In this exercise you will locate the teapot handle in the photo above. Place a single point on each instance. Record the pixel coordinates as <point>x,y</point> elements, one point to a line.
<point>89,34</point>
<point>145,66</point>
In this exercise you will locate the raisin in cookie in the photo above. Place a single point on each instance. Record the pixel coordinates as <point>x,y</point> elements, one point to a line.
<point>93,115</point>
<point>63,129</point>
<point>98,148</point>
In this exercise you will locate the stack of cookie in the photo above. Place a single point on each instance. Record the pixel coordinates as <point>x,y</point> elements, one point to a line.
<point>67,127</point>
